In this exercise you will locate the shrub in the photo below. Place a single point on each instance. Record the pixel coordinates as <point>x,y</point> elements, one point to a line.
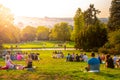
<point>113,51</point>
<point>103,50</point>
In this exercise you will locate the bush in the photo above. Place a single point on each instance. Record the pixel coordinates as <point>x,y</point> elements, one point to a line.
<point>103,50</point>
<point>95,49</point>
<point>113,51</point>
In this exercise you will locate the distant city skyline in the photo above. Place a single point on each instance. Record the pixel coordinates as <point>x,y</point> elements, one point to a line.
<point>54,8</point>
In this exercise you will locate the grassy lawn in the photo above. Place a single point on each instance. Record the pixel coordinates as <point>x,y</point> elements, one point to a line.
<point>58,69</point>
<point>40,44</point>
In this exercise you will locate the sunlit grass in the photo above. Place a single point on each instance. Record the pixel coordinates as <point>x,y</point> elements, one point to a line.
<point>40,44</point>
<point>57,69</point>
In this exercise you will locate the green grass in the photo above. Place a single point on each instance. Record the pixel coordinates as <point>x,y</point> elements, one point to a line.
<point>40,44</point>
<point>57,69</point>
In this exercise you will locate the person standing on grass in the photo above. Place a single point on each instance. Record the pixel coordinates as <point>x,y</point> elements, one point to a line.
<point>93,64</point>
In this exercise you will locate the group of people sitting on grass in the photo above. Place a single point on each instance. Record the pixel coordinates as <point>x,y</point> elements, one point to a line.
<point>20,56</point>
<point>10,65</point>
<point>95,61</point>
<point>76,57</point>
<point>110,62</point>
<point>57,54</point>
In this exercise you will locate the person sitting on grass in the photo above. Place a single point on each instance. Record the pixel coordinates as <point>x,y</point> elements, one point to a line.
<point>9,63</point>
<point>109,62</point>
<point>68,57</point>
<point>118,63</point>
<point>85,58</point>
<point>29,62</point>
<point>77,58</point>
<point>93,64</point>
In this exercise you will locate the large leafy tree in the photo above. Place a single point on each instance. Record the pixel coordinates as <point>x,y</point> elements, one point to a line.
<point>90,15</point>
<point>114,37</point>
<point>28,34</point>
<point>7,28</point>
<point>114,41</point>
<point>114,19</point>
<point>61,31</point>
<point>78,23</point>
<point>42,33</point>
<point>10,34</point>
<point>94,35</point>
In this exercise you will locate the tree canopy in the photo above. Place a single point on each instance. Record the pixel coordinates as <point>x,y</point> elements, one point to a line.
<point>114,19</point>
<point>94,33</point>
<point>28,34</point>
<point>61,31</point>
<point>78,23</point>
<point>42,33</point>
<point>7,29</point>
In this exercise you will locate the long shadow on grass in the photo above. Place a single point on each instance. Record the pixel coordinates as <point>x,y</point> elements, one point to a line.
<point>108,74</point>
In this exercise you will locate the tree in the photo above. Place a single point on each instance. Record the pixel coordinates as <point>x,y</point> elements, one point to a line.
<point>90,15</point>
<point>61,31</point>
<point>114,40</point>
<point>78,23</point>
<point>10,34</point>
<point>93,37</point>
<point>94,33</point>
<point>28,33</point>
<point>113,44</point>
<point>114,19</point>
<point>15,34</point>
<point>6,21</point>
<point>42,33</point>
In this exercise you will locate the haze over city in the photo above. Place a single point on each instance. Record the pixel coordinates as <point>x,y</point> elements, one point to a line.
<point>54,8</point>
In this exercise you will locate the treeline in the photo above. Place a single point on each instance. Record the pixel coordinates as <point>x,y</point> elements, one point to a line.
<point>92,35</point>
<point>9,33</point>
<point>60,32</point>
<point>89,33</point>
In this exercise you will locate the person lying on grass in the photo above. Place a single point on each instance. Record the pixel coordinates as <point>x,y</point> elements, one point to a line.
<point>93,64</point>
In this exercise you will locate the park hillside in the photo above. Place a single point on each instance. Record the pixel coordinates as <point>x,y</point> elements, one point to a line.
<point>87,34</point>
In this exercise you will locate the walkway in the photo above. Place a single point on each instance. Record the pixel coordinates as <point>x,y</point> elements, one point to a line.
<point>41,49</point>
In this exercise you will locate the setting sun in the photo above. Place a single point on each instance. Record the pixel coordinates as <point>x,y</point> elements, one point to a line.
<point>54,8</point>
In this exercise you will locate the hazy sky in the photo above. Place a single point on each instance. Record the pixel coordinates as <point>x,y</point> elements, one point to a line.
<point>54,8</point>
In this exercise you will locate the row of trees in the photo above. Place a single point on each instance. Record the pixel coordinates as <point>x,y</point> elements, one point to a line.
<point>9,33</point>
<point>91,34</point>
<point>60,31</point>
<point>113,44</point>
<point>88,32</point>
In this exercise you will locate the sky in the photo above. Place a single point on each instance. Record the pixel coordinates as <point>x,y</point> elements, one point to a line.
<point>54,8</point>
